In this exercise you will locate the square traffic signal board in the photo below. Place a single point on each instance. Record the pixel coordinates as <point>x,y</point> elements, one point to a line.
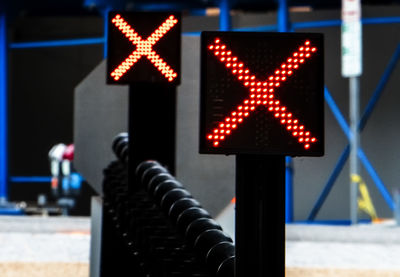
<point>144,47</point>
<point>262,93</point>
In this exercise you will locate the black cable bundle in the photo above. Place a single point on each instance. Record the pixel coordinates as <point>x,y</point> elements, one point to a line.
<point>120,147</point>
<point>201,232</point>
<point>141,240</point>
<point>161,229</point>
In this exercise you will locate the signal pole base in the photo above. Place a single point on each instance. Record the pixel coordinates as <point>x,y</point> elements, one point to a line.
<point>260,215</point>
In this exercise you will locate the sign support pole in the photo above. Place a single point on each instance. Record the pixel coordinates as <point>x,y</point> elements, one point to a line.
<point>260,142</point>
<point>152,112</point>
<point>153,75</point>
<point>354,143</point>
<point>284,26</point>
<point>260,215</point>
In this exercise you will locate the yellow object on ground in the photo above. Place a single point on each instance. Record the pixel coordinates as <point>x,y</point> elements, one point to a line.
<point>364,201</point>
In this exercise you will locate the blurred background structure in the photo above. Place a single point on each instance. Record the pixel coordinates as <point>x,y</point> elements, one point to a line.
<point>68,38</point>
<point>52,71</point>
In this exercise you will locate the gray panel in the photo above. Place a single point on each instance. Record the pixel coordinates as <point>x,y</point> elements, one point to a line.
<point>101,112</point>
<point>96,226</point>
<point>209,177</point>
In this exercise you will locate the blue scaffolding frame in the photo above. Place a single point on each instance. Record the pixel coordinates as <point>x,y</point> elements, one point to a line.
<point>3,110</point>
<point>346,152</point>
<point>283,25</point>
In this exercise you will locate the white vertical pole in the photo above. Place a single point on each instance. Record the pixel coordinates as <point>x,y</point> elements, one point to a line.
<point>354,144</point>
<point>352,69</point>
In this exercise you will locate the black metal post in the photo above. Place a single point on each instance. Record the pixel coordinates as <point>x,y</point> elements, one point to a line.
<point>152,113</point>
<point>260,215</point>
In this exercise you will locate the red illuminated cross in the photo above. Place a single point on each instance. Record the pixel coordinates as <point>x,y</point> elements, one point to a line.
<point>144,47</point>
<point>261,93</point>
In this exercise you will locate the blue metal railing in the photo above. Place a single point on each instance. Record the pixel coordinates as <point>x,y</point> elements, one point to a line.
<point>284,26</point>
<point>56,43</point>
<point>225,23</point>
<point>30,179</point>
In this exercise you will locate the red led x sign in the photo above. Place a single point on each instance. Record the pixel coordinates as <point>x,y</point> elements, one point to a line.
<point>134,59</point>
<point>262,93</point>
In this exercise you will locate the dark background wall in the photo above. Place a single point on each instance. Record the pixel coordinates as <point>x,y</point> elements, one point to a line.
<point>42,81</point>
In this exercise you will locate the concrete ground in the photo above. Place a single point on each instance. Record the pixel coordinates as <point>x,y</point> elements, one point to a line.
<point>59,247</point>
<point>44,246</point>
<point>370,250</point>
